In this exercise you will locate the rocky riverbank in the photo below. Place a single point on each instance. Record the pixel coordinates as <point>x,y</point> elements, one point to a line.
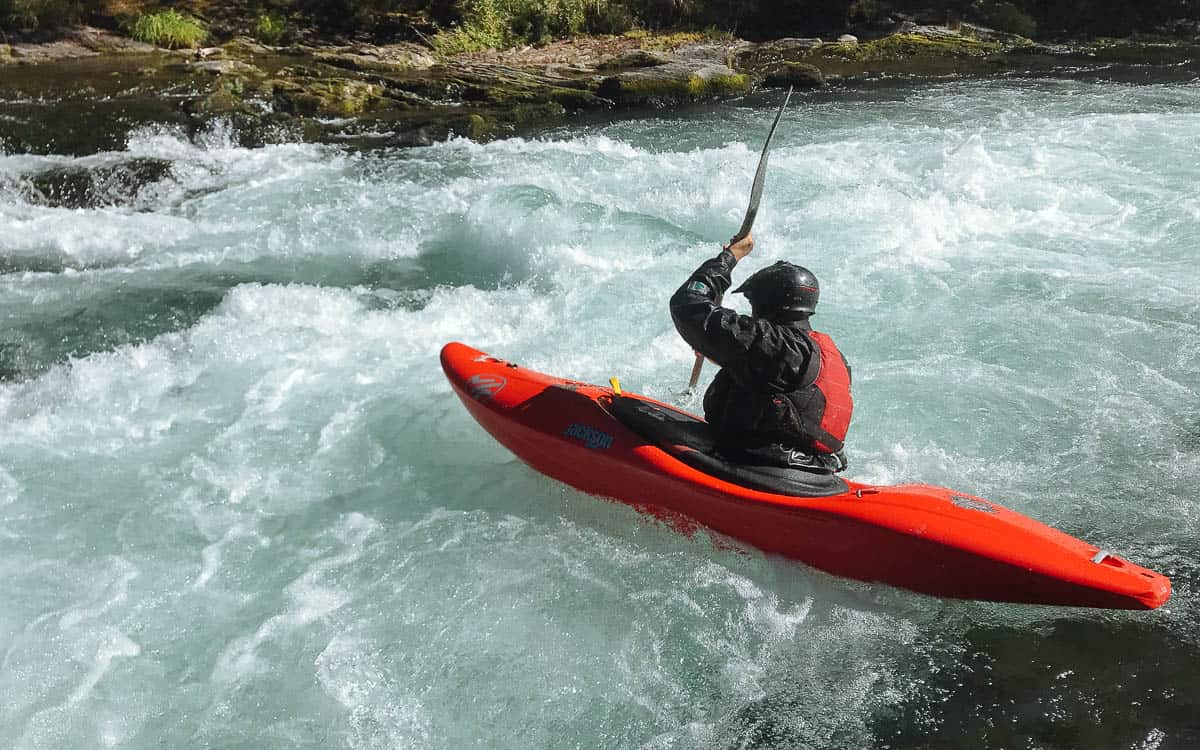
<point>84,91</point>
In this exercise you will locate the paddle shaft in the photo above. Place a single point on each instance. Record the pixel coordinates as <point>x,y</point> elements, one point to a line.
<point>760,177</point>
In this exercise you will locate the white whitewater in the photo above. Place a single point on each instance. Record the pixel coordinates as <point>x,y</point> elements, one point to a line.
<point>240,507</point>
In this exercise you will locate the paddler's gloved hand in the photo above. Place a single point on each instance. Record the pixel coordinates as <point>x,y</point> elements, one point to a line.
<point>742,247</point>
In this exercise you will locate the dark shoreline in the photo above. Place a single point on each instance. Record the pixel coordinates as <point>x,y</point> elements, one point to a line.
<point>83,96</point>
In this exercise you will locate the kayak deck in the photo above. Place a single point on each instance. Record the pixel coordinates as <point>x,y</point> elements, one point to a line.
<point>689,439</point>
<point>919,537</point>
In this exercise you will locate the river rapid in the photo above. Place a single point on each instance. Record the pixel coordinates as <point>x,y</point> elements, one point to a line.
<point>241,508</point>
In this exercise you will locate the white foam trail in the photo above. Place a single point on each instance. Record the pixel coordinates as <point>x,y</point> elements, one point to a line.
<point>379,713</point>
<point>310,601</point>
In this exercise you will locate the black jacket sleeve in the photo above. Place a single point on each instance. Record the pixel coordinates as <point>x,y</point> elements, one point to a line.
<point>754,351</point>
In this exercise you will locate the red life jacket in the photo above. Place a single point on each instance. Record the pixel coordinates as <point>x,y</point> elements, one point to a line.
<point>826,404</point>
<point>812,417</point>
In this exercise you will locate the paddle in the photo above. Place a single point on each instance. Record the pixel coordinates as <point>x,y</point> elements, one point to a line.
<point>760,177</point>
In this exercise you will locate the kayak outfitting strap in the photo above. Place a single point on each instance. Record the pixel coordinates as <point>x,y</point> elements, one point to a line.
<point>615,382</point>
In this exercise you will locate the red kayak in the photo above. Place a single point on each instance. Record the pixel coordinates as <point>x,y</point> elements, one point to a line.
<point>660,460</point>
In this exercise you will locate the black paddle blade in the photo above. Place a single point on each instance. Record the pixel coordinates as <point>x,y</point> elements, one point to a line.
<point>760,176</point>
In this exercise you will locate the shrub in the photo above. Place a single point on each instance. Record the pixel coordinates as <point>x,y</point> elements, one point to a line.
<point>504,23</point>
<point>39,14</point>
<point>463,39</point>
<point>352,15</point>
<point>610,18</point>
<point>539,22</point>
<point>1004,16</point>
<point>270,28</point>
<point>170,29</point>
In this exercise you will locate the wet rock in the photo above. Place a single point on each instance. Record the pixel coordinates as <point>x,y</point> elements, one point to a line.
<point>244,47</point>
<point>77,42</point>
<point>478,127</point>
<point>103,40</point>
<point>985,34</point>
<point>634,58</point>
<point>80,187</point>
<point>693,72</point>
<point>226,67</point>
<point>222,100</point>
<point>382,59</point>
<point>790,47</point>
<point>848,39</point>
<point>800,75</point>
<point>492,85</point>
<point>919,44</point>
<point>330,97</point>
<point>673,83</point>
<point>766,57</point>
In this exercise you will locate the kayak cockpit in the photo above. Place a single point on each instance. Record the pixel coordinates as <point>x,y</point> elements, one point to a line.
<point>690,440</point>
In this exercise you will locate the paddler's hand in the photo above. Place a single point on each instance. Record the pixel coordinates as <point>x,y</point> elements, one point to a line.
<point>742,247</point>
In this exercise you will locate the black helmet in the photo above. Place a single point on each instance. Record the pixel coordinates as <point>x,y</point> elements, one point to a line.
<point>781,287</point>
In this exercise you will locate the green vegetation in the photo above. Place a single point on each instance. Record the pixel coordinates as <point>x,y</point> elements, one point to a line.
<point>504,23</point>
<point>453,26</point>
<point>1004,16</point>
<point>39,14</point>
<point>464,39</point>
<point>170,29</point>
<point>270,28</point>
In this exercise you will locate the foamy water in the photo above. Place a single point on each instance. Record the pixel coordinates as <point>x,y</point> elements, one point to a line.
<point>240,507</point>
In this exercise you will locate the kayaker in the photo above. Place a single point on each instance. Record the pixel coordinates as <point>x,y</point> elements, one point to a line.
<point>782,397</point>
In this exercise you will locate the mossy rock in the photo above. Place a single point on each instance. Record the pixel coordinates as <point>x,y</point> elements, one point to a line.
<point>661,87</point>
<point>219,102</point>
<point>226,67</point>
<point>898,46</point>
<point>634,58</point>
<point>244,48</point>
<point>800,75</point>
<point>389,59</point>
<point>478,126</point>
<point>574,100</point>
<point>304,71</point>
<point>494,93</point>
<point>523,114</point>
<point>509,94</point>
<point>326,97</point>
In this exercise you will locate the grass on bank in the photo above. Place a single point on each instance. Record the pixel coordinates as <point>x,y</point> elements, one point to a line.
<point>170,29</point>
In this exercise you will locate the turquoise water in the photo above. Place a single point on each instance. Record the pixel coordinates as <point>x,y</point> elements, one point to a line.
<point>240,507</point>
